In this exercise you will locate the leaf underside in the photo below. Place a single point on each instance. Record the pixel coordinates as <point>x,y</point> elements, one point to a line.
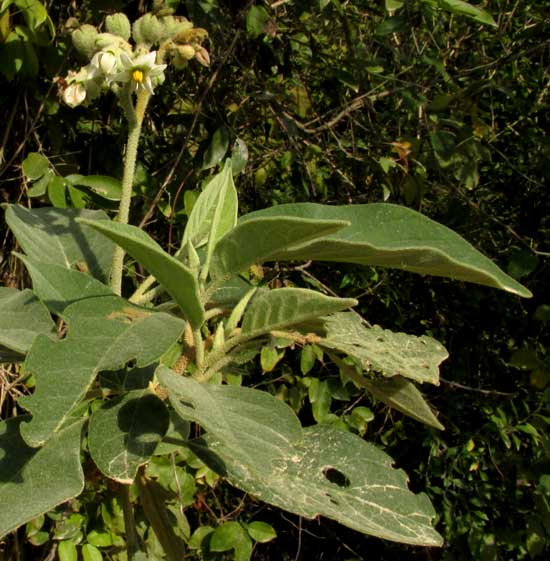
<point>384,351</point>
<point>314,471</point>
<point>387,235</point>
<point>282,307</point>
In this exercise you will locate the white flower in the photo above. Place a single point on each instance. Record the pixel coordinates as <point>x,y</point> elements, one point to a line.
<point>74,94</point>
<point>105,61</point>
<point>139,71</point>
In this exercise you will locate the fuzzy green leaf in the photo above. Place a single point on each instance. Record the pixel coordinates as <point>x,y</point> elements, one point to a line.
<point>319,470</point>
<point>203,223</point>
<point>52,235</point>
<point>58,287</point>
<point>23,317</point>
<point>34,481</point>
<point>124,433</point>
<point>403,395</point>
<point>388,235</point>
<point>104,333</point>
<point>279,308</point>
<point>260,239</point>
<point>176,278</point>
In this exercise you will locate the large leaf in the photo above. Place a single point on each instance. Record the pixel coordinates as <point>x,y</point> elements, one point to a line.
<point>34,481</point>
<point>389,235</point>
<point>282,307</point>
<point>174,276</point>
<point>387,352</point>
<point>52,235</point>
<point>124,433</point>
<point>22,318</point>
<point>403,395</point>
<point>257,442</point>
<point>104,333</point>
<point>58,287</point>
<point>215,212</point>
<point>260,239</point>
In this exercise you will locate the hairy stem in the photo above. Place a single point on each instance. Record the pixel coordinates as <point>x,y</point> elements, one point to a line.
<point>135,120</point>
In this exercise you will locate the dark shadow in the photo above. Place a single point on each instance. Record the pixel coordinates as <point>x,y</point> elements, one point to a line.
<point>14,452</point>
<point>336,476</point>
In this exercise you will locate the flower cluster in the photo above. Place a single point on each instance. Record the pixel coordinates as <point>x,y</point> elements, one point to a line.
<point>116,64</point>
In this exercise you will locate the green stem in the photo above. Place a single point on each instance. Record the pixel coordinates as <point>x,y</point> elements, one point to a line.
<point>199,348</point>
<point>132,543</point>
<point>142,289</point>
<point>135,120</point>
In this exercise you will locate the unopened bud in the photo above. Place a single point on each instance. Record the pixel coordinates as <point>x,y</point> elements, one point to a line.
<point>118,24</point>
<point>202,56</point>
<point>186,52</point>
<point>104,40</point>
<point>147,30</point>
<point>84,40</point>
<point>172,25</point>
<point>193,36</point>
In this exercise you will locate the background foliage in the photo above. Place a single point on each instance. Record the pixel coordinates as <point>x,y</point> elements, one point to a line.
<point>331,102</point>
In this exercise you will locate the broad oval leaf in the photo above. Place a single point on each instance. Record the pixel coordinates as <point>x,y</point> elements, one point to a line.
<point>173,275</point>
<point>388,235</point>
<point>260,239</point>
<point>385,351</point>
<point>52,235</point>
<point>217,148</point>
<point>214,213</point>
<point>34,481</point>
<point>23,317</point>
<point>35,165</point>
<point>319,470</point>
<point>103,185</point>
<point>277,309</point>
<point>104,333</point>
<point>124,433</point>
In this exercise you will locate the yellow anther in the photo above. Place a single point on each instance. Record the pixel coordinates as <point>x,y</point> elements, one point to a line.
<point>137,76</point>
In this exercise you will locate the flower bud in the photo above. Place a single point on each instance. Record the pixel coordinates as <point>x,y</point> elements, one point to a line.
<point>74,94</point>
<point>105,40</point>
<point>118,24</point>
<point>84,39</point>
<point>147,30</point>
<point>202,56</point>
<point>172,25</point>
<point>193,36</point>
<point>186,52</point>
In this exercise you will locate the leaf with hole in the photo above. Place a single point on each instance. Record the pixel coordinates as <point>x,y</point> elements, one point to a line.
<point>385,351</point>
<point>318,470</point>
